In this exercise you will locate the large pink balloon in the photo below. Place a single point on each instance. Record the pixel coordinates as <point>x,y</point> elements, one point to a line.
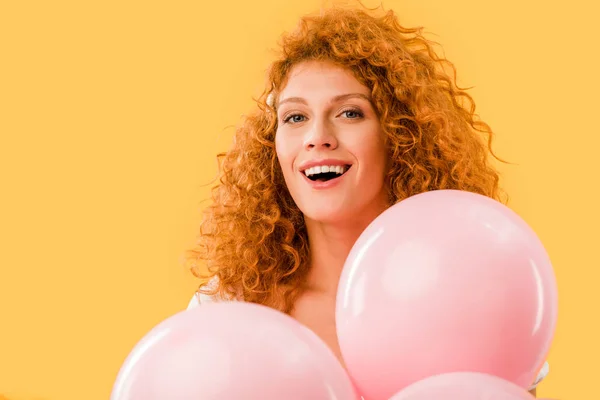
<point>445,281</point>
<point>463,386</point>
<point>230,351</point>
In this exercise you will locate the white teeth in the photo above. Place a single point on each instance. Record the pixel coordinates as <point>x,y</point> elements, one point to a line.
<point>338,169</point>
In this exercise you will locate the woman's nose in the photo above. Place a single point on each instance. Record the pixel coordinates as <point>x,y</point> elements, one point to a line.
<point>321,135</point>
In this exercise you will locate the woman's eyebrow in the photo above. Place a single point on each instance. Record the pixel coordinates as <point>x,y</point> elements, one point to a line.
<point>351,95</point>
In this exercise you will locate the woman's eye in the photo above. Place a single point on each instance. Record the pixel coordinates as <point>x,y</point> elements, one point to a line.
<point>352,114</point>
<point>294,118</point>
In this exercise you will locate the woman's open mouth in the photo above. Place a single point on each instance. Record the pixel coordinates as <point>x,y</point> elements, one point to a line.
<point>324,173</point>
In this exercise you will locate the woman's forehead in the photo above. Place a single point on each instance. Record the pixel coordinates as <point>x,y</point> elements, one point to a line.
<point>322,79</point>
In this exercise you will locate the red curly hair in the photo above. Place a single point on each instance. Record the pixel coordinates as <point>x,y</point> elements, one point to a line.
<point>253,237</point>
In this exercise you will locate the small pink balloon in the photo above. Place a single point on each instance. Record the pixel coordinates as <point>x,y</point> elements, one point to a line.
<point>445,281</point>
<point>232,351</point>
<point>463,386</point>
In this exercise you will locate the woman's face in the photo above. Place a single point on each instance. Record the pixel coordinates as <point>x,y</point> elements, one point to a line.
<point>330,144</point>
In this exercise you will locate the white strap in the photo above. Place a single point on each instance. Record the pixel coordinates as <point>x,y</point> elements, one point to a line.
<point>541,375</point>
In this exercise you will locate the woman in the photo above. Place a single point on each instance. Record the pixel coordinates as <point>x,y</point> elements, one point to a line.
<point>358,115</point>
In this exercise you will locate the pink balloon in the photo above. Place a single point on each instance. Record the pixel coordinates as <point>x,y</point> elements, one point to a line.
<point>232,351</point>
<point>463,386</point>
<point>445,281</point>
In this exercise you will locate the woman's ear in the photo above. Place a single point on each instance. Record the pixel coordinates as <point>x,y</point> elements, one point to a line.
<point>271,100</point>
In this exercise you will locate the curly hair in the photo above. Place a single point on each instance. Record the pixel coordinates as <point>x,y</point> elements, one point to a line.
<point>253,239</point>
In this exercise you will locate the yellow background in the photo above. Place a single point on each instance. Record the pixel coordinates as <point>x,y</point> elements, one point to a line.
<point>111,113</point>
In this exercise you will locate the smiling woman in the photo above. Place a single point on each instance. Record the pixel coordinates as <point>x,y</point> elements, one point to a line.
<point>358,115</point>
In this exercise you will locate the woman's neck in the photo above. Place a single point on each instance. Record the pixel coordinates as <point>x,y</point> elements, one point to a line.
<point>330,245</point>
